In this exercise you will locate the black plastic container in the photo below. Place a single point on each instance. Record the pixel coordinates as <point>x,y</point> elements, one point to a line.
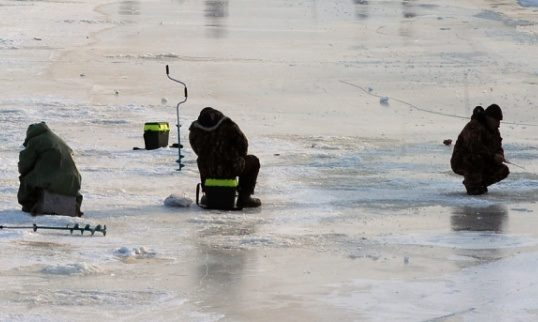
<point>219,194</point>
<point>220,198</point>
<point>156,135</point>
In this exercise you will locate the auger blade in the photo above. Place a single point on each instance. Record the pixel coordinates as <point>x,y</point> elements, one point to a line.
<point>75,227</point>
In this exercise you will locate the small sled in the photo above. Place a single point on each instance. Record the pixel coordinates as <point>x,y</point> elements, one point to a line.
<point>219,194</point>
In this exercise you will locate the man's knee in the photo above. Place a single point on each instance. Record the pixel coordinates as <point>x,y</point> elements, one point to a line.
<point>252,161</point>
<point>498,174</point>
<point>501,173</point>
<point>504,172</point>
<point>28,196</point>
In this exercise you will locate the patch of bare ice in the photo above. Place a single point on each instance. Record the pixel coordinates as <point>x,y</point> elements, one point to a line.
<point>72,269</point>
<point>461,240</point>
<point>504,289</point>
<point>87,21</point>
<point>528,3</point>
<point>90,297</point>
<point>10,43</point>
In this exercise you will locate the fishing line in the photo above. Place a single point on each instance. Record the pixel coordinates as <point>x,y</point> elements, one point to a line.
<point>369,92</point>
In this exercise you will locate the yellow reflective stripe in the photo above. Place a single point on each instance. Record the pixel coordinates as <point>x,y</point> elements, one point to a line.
<point>157,127</point>
<point>221,183</point>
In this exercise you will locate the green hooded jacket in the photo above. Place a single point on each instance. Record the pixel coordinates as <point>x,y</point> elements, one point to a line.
<point>47,163</point>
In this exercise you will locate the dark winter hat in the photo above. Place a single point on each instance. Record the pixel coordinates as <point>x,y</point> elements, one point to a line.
<point>209,116</point>
<point>495,112</point>
<point>478,113</point>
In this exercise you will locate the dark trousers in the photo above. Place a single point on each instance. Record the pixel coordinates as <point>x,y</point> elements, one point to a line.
<point>27,195</point>
<point>486,177</point>
<point>247,178</point>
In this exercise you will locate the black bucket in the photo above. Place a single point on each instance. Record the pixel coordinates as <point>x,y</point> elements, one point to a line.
<point>156,135</point>
<point>219,194</point>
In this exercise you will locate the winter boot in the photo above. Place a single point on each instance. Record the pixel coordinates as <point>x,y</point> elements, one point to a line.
<point>477,190</point>
<point>248,202</point>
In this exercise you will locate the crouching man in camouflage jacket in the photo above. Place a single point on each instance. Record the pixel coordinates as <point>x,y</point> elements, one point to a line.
<point>478,154</point>
<point>221,148</point>
<point>46,163</point>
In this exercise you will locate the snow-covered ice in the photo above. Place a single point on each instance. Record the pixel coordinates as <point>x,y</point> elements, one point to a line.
<point>362,218</point>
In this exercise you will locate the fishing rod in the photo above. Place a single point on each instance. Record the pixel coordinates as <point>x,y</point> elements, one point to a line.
<point>76,227</point>
<point>517,165</point>
<point>418,108</point>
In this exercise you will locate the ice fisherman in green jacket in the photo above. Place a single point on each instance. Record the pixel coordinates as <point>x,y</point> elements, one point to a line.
<point>46,163</point>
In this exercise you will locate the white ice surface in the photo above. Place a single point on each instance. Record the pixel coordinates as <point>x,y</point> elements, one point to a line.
<point>362,218</point>
<point>528,3</point>
<point>505,290</point>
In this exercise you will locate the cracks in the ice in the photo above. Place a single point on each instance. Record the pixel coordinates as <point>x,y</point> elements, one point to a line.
<point>206,270</point>
<point>444,317</point>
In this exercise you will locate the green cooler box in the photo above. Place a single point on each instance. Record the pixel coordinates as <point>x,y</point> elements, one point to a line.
<point>156,135</point>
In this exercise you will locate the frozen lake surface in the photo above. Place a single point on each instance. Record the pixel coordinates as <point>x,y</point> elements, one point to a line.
<point>528,3</point>
<point>346,103</point>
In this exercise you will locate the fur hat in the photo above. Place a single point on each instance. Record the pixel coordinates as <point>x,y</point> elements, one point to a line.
<point>209,116</point>
<point>494,111</point>
<point>478,113</point>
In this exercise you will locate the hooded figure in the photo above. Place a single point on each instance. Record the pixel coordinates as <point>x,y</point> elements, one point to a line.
<point>46,163</point>
<point>478,154</point>
<point>221,148</point>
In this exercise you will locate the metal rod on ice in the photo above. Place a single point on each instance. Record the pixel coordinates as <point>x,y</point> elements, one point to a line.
<point>76,227</point>
<point>181,165</point>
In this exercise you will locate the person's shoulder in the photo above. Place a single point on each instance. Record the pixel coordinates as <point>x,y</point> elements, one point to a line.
<point>193,125</point>
<point>228,122</point>
<point>472,131</point>
<point>474,125</point>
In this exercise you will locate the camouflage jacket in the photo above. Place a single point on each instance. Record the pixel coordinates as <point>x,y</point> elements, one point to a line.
<point>47,163</point>
<point>219,144</point>
<point>476,148</point>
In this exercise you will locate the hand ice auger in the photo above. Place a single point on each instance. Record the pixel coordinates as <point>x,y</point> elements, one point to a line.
<point>76,227</point>
<point>179,146</point>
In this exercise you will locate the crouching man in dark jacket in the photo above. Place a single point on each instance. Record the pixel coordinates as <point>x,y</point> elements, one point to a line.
<point>221,148</point>
<point>46,164</point>
<point>478,154</point>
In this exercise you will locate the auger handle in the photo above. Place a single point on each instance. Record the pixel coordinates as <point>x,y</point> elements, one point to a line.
<point>177,81</point>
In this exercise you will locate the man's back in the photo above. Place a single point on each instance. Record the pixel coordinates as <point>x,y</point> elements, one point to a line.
<point>219,144</point>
